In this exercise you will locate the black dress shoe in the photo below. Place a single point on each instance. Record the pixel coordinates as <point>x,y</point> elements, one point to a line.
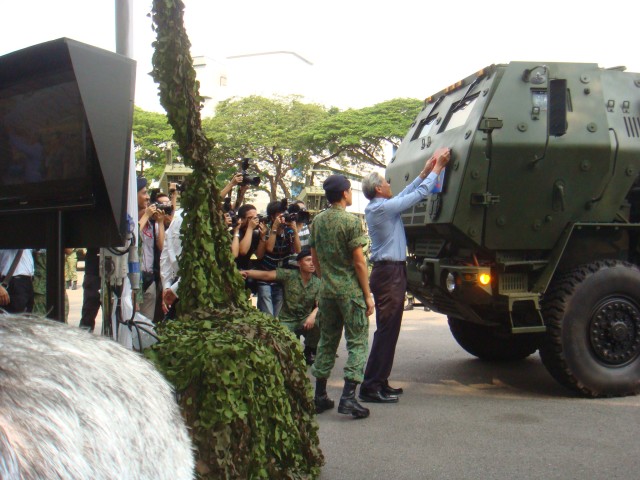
<point>392,391</point>
<point>377,396</point>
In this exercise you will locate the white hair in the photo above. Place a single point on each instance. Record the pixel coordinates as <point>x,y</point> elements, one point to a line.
<point>369,184</point>
<point>77,406</point>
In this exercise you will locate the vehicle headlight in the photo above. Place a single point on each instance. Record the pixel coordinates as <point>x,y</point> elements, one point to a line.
<point>451,282</point>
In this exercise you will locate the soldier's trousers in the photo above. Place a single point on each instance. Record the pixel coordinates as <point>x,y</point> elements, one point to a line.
<point>311,337</point>
<point>334,314</point>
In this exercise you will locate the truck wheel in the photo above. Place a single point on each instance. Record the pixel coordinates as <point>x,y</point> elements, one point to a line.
<point>488,344</point>
<point>592,343</point>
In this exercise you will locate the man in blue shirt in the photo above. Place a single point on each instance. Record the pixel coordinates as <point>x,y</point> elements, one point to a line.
<point>388,278</point>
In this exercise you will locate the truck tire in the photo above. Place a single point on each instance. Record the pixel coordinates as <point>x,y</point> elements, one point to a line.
<point>592,343</point>
<point>488,344</point>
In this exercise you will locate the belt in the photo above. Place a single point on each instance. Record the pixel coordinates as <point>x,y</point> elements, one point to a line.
<point>390,262</point>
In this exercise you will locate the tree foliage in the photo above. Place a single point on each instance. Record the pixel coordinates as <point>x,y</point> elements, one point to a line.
<point>151,136</point>
<point>244,390</point>
<point>271,131</point>
<point>289,138</point>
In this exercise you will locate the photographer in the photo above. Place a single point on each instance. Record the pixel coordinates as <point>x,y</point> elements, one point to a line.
<point>282,242</point>
<point>249,237</point>
<point>170,253</point>
<point>237,180</point>
<point>303,226</point>
<point>151,235</point>
<point>164,203</point>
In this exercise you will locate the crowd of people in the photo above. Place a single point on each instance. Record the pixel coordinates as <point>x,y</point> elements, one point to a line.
<point>313,278</point>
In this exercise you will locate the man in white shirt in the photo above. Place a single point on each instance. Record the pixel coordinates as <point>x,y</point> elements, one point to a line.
<point>151,235</point>
<point>169,264</point>
<point>16,295</point>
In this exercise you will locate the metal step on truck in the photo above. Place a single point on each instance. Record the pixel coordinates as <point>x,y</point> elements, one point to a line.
<point>532,242</point>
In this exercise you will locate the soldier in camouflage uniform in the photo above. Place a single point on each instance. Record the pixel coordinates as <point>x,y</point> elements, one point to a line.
<point>71,268</point>
<point>40,285</point>
<point>301,291</point>
<point>337,240</point>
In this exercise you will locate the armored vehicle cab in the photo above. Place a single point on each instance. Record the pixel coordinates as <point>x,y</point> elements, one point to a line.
<point>533,241</point>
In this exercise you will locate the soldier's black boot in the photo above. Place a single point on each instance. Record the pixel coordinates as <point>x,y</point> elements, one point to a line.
<point>349,404</point>
<point>321,400</point>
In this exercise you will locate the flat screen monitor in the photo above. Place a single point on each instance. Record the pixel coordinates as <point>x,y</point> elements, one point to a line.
<point>66,112</point>
<point>47,158</point>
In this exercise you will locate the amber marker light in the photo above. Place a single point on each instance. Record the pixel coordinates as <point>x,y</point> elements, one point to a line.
<point>484,278</point>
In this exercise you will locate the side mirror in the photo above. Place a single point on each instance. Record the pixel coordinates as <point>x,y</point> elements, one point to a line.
<point>557,108</point>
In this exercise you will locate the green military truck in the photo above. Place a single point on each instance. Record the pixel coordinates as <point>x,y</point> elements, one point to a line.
<point>533,241</point>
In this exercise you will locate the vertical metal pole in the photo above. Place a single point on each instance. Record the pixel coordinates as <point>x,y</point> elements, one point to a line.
<point>124,37</point>
<point>124,27</point>
<point>55,267</point>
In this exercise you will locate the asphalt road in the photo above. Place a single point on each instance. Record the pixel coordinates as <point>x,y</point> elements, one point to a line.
<point>462,418</point>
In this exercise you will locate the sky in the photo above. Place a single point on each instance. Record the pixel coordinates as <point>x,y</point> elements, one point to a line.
<point>362,51</point>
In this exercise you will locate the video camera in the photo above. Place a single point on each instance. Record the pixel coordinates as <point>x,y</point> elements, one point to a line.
<point>246,178</point>
<point>294,213</point>
<point>167,209</point>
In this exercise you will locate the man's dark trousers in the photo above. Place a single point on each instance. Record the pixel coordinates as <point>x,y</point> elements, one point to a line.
<point>20,294</point>
<point>388,283</point>
<point>91,289</point>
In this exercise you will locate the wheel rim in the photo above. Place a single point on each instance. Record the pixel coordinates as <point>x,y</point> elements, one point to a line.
<point>615,331</point>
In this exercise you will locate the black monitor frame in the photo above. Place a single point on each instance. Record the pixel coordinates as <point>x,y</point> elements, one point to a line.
<point>93,212</point>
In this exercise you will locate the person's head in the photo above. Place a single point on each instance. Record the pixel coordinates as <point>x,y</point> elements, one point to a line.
<point>274,209</point>
<point>246,213</point>
<point>99,391</point>
<point>163,199</point>
<point>301,204</point>
<point>143,195</point>
<point>375,185</point>
<point>337,188</point>
<point>305,261</point>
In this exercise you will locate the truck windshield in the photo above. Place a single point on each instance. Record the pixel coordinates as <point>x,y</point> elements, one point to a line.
<point>425,127</point>
<point>459,114</point>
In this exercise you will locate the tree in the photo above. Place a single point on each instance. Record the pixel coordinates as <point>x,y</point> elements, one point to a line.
<point>360,135</point>
<point>151,136</point>
<point>271,131</point>
<point>288,138</point>
<point>241,375</point>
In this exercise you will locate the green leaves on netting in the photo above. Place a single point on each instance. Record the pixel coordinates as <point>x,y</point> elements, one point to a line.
<point>209,278</point>
<point>244,392</point>
<point>244,389</point>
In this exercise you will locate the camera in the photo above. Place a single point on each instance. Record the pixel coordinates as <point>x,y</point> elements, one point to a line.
<point>164,208</point>
<point>246,178</point>
<point>226,208</point>
<point>294,213</point>
<point>180,187</point>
